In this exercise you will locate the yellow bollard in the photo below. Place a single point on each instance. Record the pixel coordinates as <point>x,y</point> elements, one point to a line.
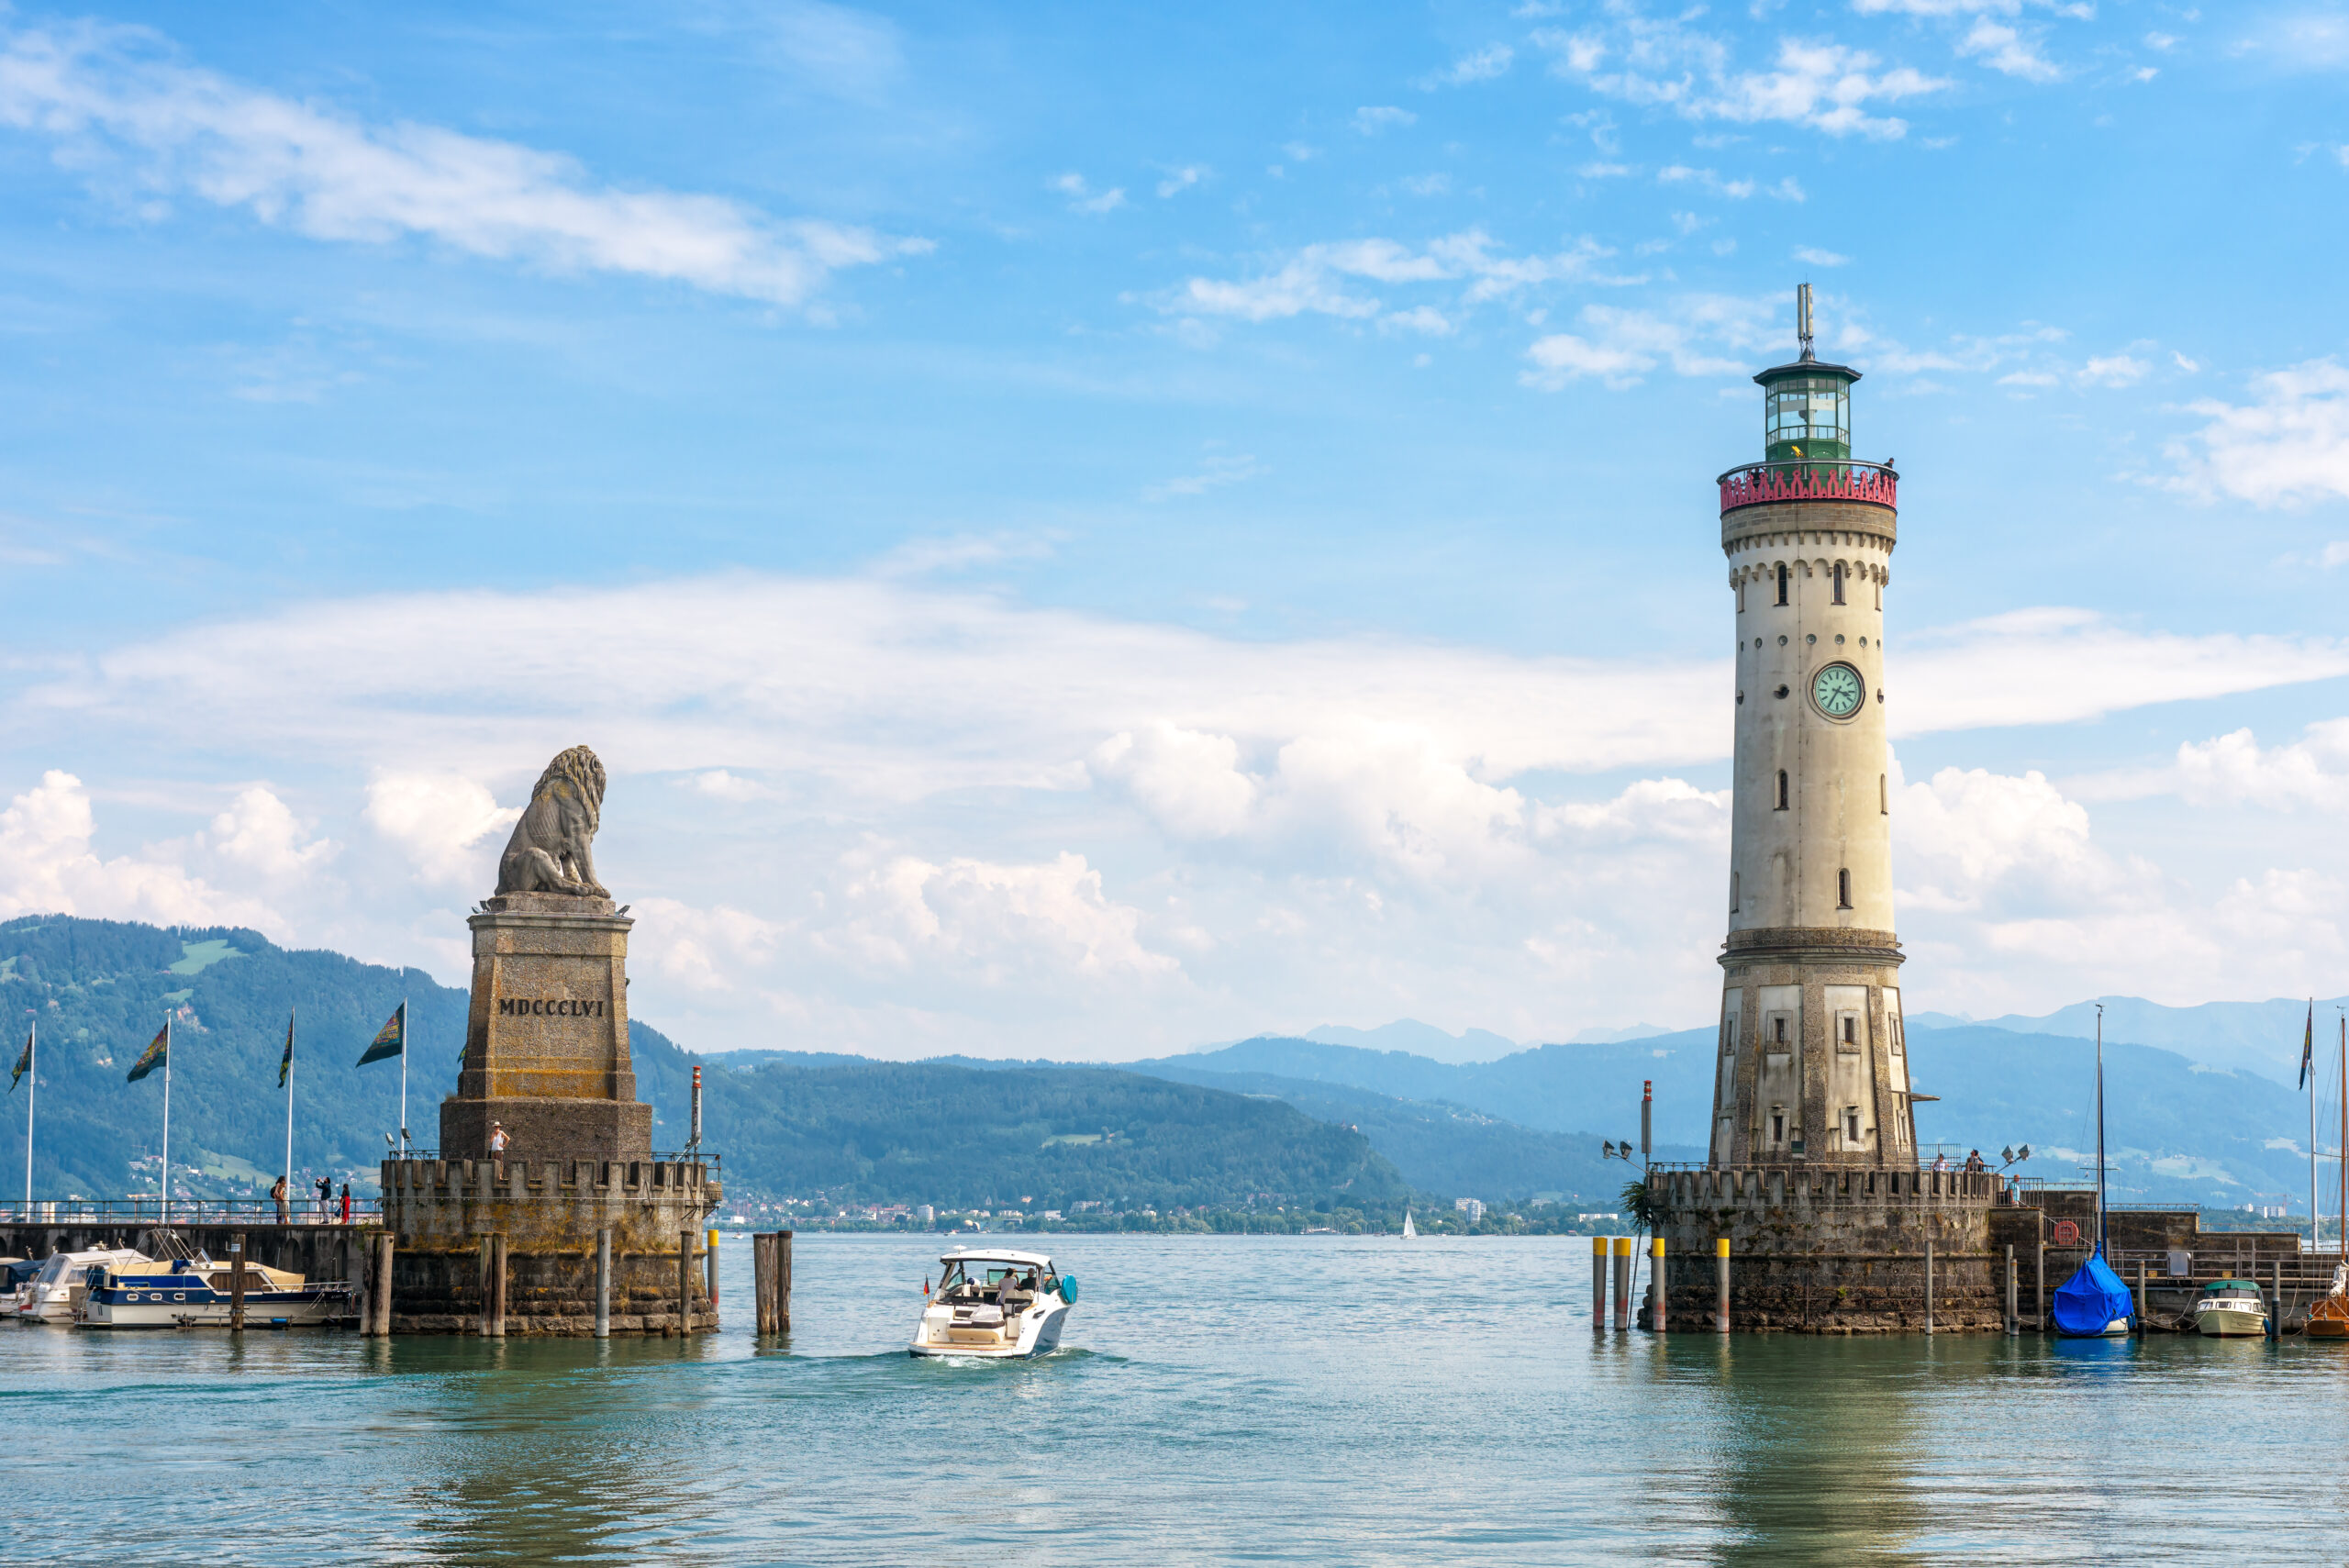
<point>1622,1283</point>
<point>1721,1261</point>
<point>1655,1282</point>
<point>1598,1285</point>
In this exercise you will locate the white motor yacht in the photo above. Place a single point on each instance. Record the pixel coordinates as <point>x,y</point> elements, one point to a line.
<point>54,1294</point>
<point>997,1305</point>
<point>2231,1307</point>
<point>193,1293</point>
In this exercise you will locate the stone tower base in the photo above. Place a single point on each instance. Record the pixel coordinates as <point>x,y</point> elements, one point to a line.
<point>442,1211</point>
<point>1830,1251</point>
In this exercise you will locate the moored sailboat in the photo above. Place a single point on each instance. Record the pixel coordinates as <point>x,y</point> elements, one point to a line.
<point>2094,1303</point>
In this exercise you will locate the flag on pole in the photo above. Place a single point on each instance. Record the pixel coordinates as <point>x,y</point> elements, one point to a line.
<point>391,1039</point>
<point>24,1065</point>
<point>285,1063</point>
<point>2308,1048</point>
<point>152,1057</point>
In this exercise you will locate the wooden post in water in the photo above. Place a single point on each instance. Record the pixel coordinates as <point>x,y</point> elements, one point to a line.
<point>766,1268</point>
<point>481,1274</point>
<point>1720,1269</point>
<point>2039,1311</point>
<point>2013,1327</point>
<point>684,1283</point>
<point>385,1246</point>
<point>710,1272</point>
<point>783,1294</point>
<point>497,1285</point>
<point>603,1283</point>
<point>1655,1284</point>
<point>1929,1285</point>
<point>2276,1324</point>
<point>2139,1327</point>
<point>1598,1285</point>
<point>236,1283</point>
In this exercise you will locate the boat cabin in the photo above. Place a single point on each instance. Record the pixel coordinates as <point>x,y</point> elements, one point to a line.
<point>1010,1281</point>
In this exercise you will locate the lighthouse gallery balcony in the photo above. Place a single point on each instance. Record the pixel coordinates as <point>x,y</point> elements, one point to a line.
<point>1763,484</point>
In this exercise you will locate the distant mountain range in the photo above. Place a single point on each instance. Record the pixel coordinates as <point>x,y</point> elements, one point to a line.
<point>2262,1037</point>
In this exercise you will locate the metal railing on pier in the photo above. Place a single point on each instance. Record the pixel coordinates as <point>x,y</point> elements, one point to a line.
<point>184,1211</point>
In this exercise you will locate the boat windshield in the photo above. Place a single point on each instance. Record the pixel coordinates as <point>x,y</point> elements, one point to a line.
<point>976,1280</point>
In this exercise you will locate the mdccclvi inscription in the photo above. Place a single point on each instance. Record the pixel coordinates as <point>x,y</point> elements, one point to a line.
<point>549,1007</point>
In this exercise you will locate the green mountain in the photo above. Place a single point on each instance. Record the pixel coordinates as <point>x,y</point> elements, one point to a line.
<point>855,1131</point>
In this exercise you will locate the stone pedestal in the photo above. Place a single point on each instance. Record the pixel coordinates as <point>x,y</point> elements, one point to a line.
<point>545,1043</point>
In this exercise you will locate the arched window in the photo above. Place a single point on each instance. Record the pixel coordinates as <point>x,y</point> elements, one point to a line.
<point>1782,581</point>
<point>1839,582</point>
<point>1782,789</point>
<point>1843,889</point>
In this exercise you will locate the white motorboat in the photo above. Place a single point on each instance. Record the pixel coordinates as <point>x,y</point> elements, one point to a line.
<point>54,1294</point>
<point>2231,1307</point>
<point>997,1305</point>
<point>193,1293</point>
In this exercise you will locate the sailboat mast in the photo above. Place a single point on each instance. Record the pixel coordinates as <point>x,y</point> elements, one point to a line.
<point>2099,1129</point>
<point>2341,1160</point>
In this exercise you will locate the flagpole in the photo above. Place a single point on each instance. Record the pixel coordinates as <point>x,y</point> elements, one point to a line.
<point>404,1076</point>
<point>167,1118</point>
<point>33,1100</point>
<point>289,1103</point>
<point>2308,1055</point>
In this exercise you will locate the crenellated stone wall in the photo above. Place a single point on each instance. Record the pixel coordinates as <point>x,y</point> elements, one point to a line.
<point>549,1211</point>
<point>1830,1251</point>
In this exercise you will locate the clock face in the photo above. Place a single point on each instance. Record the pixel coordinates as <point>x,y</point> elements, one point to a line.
<point>1838,690</point>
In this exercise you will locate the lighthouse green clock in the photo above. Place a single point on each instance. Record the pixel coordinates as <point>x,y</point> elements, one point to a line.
<point>1812,1066</point>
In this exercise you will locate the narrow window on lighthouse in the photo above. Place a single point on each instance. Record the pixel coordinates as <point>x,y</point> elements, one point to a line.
<point>1782,581</point>
<point>1732,893</point>
<point>1882,797</point>
<point>1782,790</point>
<point>1844,888</point>
<point>1839,582</point>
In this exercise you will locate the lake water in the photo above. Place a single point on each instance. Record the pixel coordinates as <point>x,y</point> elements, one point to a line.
<point>1318,1399</point>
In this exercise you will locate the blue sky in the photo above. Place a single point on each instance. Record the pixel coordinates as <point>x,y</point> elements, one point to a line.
<point>1085,532</point>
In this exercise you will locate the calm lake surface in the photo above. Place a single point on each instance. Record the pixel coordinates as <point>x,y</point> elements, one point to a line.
<point>1317,1399</point>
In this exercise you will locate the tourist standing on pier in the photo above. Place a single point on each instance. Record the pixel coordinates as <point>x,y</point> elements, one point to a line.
<point>278,1193</point>
<point>326,1200</point>
<point>346,1203</point>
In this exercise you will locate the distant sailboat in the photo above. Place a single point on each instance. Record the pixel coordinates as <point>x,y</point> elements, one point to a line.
<point>1410,1229</point>
<point>2094,1303</point>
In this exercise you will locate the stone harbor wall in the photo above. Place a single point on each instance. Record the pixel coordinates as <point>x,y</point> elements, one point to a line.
<point>442,1211</point>
<point>1830,1251</point>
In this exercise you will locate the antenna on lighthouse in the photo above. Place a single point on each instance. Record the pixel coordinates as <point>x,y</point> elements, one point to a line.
<point>1802,319</point>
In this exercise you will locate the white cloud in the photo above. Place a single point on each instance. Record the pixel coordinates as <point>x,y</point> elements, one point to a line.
<point>442,820</point>
<point>1818,258</point>
<point>2003,49</point>
<point>259,834</point>
<point>115,102</point>
<point>1619,347</point>
<point>1427,184</point>
<point>1181,179</point>
<point>1678,173</point>
<point>700,948</point>
<point>1423,318</point>
<point>2233,771</point>
<point>1324,279</point>
<point>721,785</point>
<point>1082,197</point>
<point>1665,64</point>
<point>991,925</point>
<point>1216,471</point>
<point>1371,120</point>
<point>2289,447</point>
<point>1482,65</point>
<point>2112,370</point>
<point>48,865</point>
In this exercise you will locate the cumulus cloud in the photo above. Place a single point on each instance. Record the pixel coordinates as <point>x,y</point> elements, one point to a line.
<point>442,821</point>
<point>2003,48</point>
<point>1373,119</point>
<point>118,105</point>
<point>1619,347</point>
<point>991,925</point>
<point>2287,447</point>
<point>1082,197</point>
<point>259,833</point>
<point>48,864</point>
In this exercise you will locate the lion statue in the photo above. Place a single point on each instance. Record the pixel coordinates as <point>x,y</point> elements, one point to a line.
<point>549,851</point>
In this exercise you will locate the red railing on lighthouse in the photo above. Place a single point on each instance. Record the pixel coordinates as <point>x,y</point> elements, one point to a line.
<point>1756,485</point>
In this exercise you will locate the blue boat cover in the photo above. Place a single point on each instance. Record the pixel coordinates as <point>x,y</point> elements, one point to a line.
<point>2089,1301</point>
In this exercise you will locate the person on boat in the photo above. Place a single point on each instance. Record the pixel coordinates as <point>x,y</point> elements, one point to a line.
<point>278,1193</point>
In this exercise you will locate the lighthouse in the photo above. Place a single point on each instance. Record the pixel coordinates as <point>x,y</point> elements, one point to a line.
<point>1812,1066</point>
